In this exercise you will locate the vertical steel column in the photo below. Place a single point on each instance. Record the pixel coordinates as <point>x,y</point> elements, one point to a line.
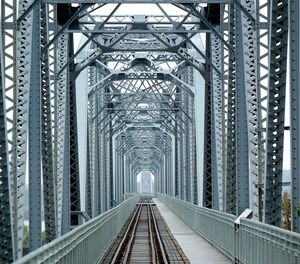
<point>6,245</point>
<point>117,168</point>
<point>192,182</point>
<point>194,155</point>
<point>276,111</point>
<point>295,109</point>
<point>123,182</point>
<point>65,213</point>
<point>168,176</point>
<point>93,153</point>
<point>46,133</point>
<point>224,31</point>
<point>23,84</point>
<point>258,158</point>
<point>187,146</point>
<point>214,150</point>
<point>128,174</point>
<point>218,123</point>
<point>181,159</point>
<point>176,160</point>
<point>180,137</point>
<point>120,169</point>
<point>88,180</point>
<point>171,173</point>
<point>62,135</point>
<point>102,148</point>
<point>8,228</point>
<point>231,118</point>
<point>90,155</point>
<point>245,83</point>
<point>110,165</point>
<point>107,156</point>
<point>51,54</point>
<point>253,101</point>
<point>66,121</point>
<point>127,165</point>
<point>74,162</point>
<point>73,144</point>
<point>207,161</point>
<point>165,173</point>
<point>163,165</point>
<point>97,168</point>
<point>122,172</point>
<point>34,133</point>
<point>159,178</point>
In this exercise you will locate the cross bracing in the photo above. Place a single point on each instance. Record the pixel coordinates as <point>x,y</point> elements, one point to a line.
<point>194,92</point>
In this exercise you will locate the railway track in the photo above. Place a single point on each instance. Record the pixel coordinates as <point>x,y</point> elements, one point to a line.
<point>146,240</point>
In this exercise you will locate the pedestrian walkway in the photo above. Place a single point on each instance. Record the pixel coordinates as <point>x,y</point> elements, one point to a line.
<point>197,249</point>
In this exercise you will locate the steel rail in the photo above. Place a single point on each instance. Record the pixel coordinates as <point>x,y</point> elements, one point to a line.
<point>130,244</point>
<point>125,250</point>
<point>158,239</point>
<point>118,255</point>
<point>153,252</point>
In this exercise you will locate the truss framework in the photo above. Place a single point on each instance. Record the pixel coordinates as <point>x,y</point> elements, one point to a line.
<point>141,88</point>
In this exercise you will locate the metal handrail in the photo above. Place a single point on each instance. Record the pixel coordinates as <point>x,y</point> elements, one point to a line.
<point>251,243</point>
<point>86,243</point>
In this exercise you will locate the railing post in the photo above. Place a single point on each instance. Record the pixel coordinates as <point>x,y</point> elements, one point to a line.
<point>246,214</point>
<point>236,243</point>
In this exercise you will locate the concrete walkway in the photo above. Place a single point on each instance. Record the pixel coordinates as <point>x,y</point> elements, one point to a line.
<point>197,249</point>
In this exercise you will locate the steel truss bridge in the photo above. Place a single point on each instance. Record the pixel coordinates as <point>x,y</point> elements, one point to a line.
<point>199,93</point>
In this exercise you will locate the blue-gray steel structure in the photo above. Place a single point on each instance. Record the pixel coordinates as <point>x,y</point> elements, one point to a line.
<point>142,77</point>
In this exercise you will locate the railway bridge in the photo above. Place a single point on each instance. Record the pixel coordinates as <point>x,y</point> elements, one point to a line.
<point>150,131</point>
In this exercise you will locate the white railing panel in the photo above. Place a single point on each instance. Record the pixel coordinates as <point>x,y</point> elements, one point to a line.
<point>86,243</point>
<point>250,242</point>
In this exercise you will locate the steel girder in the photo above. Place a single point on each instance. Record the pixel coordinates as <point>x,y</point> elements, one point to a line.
<point>62,137</point>
<point>73,159</point>
<point>276,111</point>
<point>7,61</point>
<point>92,203</point>
<point>22,93</point>
<point>207,151</point>
<point>97,149</point>
<point>189,180</point>
<point>88,180</point>
<point>6,248</point>
<point>243,77</point>
<point>214,126</point>
<point>34,128</point>
<point>254,108</point>
<point>47,72</point>
<point>217,124</point>
<point>242,146</point>
<point>231,122</point>
<point>294,110</point>
<point>263,75</point>
<point>8,86</point>
<point>70,182</point>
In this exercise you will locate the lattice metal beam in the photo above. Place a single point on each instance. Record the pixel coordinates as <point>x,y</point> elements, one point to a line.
<point>207,162</point>
<point>6,247</point>
<point>294,110</point>
<point>276,111</point>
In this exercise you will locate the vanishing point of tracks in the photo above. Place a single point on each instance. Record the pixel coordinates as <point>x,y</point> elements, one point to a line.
<point>147,239</point>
